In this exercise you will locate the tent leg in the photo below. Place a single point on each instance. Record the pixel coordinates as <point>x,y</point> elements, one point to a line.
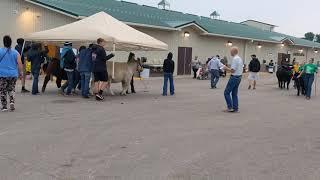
<point>114,50</point>
<point>24,43</point>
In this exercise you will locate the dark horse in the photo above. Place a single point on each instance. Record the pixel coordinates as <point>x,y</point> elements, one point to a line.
<point>284,75</point>
<point>53,68</point>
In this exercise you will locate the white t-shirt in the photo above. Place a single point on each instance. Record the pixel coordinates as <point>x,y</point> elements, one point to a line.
<point>237,65</point>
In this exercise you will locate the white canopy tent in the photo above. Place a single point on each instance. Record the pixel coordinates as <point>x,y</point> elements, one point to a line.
<point>100,25</point>
<point>119,36</point>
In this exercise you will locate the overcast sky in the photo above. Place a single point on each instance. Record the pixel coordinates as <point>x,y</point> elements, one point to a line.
<point>292,16</point>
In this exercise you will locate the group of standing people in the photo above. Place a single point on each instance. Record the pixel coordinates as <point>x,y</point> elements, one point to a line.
<point>12,67</point>
<point>91,60</point>
<point>307,73</point>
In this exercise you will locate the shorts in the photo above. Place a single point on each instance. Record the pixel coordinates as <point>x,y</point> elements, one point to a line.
<point>253,76</point>
<point>100,76</point>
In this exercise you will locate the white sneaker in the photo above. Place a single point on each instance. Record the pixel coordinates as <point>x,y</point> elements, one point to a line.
<point>4,109</point>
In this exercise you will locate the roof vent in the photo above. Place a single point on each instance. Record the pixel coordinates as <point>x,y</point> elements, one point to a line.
<point>164,4</point>
<point>215,15</point>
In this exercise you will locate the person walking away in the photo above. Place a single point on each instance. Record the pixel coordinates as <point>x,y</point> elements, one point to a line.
<point>18,48</point>
<point>214,66</point>
<point>309,70</point>
<point>195,67</point>
<point>254,69</point>
<point>36,57</point>
<point>77,78</point>
<point>69,65</point>
<point>231,91</point>
<point>168,70</point>
<point>85,69</point>
<point>10,69</point>
<point>100,72</point>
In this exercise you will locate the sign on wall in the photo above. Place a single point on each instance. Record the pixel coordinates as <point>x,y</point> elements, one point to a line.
<point>298,54</point>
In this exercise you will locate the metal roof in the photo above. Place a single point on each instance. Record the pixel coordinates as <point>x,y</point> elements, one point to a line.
<point>148,16</point>
<point>250,20</point>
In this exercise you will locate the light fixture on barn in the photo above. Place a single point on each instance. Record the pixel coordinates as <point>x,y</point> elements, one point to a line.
<point>316,51</point>
<point>300,50</point>
<point>259,46</point>
<point>282,45</point>
<point>229,43</point>
<point>186,34</point>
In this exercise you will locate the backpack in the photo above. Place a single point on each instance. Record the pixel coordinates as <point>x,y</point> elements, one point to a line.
<point>62,62</point>
<point>255,66</point>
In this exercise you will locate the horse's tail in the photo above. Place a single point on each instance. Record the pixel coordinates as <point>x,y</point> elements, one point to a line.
<point>45,67</point>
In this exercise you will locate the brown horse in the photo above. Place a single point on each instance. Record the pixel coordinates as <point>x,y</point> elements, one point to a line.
<point>53,68</point>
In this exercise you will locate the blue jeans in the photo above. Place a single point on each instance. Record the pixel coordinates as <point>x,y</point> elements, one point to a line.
<point>308,81</point>
<point>85,83</point>
<point>70,82</point>
<point>231,92</point>
<point>35,76</point>
<point>215,75</point>
<point>168,76</point>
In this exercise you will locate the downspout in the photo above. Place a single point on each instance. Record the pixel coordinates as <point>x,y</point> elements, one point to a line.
<point>245,51</point>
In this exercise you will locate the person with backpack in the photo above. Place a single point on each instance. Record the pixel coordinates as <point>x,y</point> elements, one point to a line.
<point>85,69</point>
<point>10,69</point>
<point>254,69</point>
<point>36,57</point>
<point>68,64</point>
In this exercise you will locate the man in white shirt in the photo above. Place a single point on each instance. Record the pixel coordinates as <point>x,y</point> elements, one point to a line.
<point>214,67</point>
<point>231,91</point>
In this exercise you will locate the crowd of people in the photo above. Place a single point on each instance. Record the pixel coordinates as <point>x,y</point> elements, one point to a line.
<point>78,68</point>
<point>92,60</point>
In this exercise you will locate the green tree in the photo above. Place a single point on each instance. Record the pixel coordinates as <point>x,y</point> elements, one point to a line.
<point>318,38</point>
<point>309,36</point>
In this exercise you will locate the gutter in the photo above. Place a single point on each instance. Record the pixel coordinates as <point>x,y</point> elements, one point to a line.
<point>150,26</point>
<point>69,14</point>
<point>237,37</point>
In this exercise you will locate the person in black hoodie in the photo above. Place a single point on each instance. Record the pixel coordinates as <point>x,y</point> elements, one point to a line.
<point>69,65</point>
<point>168,69</point>
<point>100,58</point>
<point>36,56</point>
<point>254,68</point>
